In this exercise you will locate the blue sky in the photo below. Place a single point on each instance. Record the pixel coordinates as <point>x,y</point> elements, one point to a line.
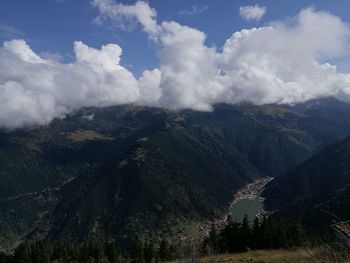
<point>51,26</point>
<point>58,56</point>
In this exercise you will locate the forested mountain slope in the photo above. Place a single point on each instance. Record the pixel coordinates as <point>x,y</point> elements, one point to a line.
<point>317,192</point>
<point>110,173</point>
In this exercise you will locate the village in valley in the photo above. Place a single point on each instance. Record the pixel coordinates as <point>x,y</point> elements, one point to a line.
<point>251,191</point>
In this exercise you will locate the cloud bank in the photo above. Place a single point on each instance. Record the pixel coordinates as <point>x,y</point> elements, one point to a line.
<point>252,12</point>
<point>284,62</point>
<point>34,90</point>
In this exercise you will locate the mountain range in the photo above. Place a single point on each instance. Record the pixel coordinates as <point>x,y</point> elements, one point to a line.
<point>117,173</point>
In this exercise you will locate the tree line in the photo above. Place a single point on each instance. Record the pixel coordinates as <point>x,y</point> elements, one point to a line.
<point>265,234</point>
<point>89,252</point>
<point>234,237</point>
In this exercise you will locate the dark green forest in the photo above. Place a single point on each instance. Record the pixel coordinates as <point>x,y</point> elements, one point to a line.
<point>89,252</point>
<point>267,234</point>
<point>135,171</point>
<point>235,237</point>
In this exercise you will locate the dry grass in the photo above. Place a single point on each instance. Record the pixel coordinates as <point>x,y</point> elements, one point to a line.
<point>323,254</point>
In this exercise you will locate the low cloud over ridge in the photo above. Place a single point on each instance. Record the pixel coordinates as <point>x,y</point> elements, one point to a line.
<point>284,62</point>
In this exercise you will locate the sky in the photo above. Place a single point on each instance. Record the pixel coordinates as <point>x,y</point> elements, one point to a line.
<point>51,26</point>
<point>57,56</point>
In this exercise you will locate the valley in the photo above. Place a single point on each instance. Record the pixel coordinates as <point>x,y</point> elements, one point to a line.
<point>186,172</point>
<point>148,131</point>
<point>252,191</point>
<point>248,201</point>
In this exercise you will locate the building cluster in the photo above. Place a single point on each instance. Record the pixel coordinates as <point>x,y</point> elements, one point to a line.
<point>252,191</point>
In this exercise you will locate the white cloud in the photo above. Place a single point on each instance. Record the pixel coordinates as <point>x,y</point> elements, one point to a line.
<point>36,90</point>
<point>280,63</point>
<point>51,56</point>
<point>252,12</point>
<point>118,13</point>
<point>194,10</point>
<point>90,117</point>
<point>284,62</point>
<point>188,68</point>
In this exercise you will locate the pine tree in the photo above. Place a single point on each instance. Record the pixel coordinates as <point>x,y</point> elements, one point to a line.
<point>41,252</point>
<point>138,252</point>
<point>245,233</point>
<point>4,258</point>
<point>163,250</point>
<point>112,252</point>
<point>23,253</point>
<point>256,234</point>
<point>149,253</point>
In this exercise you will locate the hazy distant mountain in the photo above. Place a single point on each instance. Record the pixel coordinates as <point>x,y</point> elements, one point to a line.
<point>110,173</point>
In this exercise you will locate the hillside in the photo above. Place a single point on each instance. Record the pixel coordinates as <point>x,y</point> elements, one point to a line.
<point>114,173</point>
<point>317,192</point>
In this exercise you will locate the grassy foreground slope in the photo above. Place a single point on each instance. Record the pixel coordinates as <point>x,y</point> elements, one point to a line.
<point>297,255</point>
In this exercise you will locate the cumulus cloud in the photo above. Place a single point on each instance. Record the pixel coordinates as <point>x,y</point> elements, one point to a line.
<point>286,62</point>
<point>252,12</point>
<point>283,62</point>
<point>34,90</point>
<point>118,13</point>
